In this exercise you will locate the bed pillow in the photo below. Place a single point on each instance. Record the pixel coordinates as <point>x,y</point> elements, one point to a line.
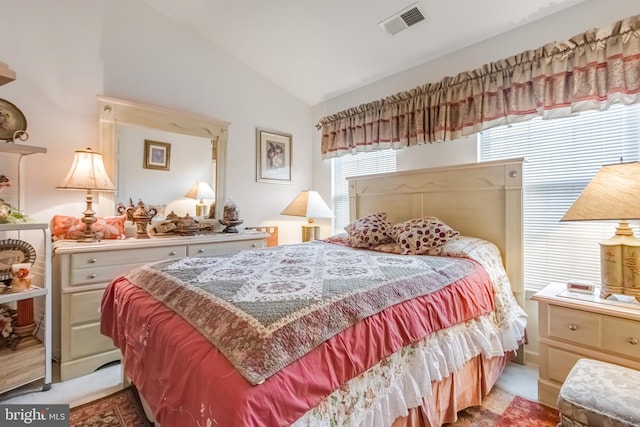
<point>417,236</point>
<point>69,227</point>
<point>369,231</point>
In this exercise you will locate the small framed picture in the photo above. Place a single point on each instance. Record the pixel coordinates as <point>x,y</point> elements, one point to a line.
<point>157,155</point>
<point>273,155</point>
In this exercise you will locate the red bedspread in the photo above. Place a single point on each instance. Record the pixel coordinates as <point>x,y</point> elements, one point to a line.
<point>188,382</point>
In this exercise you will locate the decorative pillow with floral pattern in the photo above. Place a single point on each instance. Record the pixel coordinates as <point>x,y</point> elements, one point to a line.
<point>417,236</point>
<point>369,231</point>
<point>70,227</point>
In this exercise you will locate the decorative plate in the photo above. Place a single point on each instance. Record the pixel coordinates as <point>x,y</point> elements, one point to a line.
<point>11,121</point>
<point>13,251</point>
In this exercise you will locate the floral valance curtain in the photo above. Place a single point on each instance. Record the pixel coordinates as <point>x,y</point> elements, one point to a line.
<point>589,71</point>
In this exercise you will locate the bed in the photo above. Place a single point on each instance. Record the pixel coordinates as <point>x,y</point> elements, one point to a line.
<point>322,333</point>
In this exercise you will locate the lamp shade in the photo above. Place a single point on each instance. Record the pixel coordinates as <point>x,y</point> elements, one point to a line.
<point>87,172</point>
<point>612,194</point>
<point>200,190</point>
<point>308,204</point>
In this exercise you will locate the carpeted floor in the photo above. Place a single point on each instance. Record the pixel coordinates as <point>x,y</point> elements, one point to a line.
<point>120,409</point>
<point>500,409</point>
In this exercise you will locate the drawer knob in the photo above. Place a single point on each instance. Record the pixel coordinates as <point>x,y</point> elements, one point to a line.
<point>172,253</point>
<point>200,251</point>
<point>254,245</point>
<point>633,341</point>
<point>92,276</point>
<point>93,261</point>
<point>573,327</point>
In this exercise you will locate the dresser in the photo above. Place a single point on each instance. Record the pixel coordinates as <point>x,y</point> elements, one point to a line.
<point>575,325</point>
<point>81,272</point>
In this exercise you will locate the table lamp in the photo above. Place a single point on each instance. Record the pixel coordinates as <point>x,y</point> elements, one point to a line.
<point>87,173</point>
<point>614,194</point>
<point>199,191</point>
<point>309,204</point>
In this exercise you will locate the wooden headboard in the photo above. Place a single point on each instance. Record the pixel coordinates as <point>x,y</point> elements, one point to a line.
<point>478,199</point>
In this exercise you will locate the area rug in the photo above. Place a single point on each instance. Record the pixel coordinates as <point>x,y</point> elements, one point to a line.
<point>502,409</point>
<point>499,409</point>
<point>120,409</point>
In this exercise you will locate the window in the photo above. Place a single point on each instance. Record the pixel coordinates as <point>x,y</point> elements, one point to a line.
<point>364,163</point>
<point>562,155</point>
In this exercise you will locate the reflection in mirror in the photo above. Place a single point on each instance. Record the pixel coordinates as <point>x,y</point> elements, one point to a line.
<point>189,159</point>
<point>197,153</point>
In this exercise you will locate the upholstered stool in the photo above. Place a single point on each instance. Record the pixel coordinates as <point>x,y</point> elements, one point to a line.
<point>600,394</point>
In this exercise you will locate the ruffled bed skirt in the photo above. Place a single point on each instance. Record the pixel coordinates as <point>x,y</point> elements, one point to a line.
<point>462,389</point>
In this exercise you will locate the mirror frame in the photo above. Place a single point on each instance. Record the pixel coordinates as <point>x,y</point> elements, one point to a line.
<point>114,111</point>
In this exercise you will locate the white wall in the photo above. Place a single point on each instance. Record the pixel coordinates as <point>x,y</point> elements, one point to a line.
<point>593,13</point>
<point>66,52</point>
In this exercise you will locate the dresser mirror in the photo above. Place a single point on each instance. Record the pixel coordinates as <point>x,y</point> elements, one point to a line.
<point>191,148</point>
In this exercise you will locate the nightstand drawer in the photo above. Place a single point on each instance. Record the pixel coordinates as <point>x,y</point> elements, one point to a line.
<point>563,361</point>
<point>621,336</point>
<point>575,326</point>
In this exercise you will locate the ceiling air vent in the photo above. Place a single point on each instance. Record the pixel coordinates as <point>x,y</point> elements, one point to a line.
<point>402,20</point>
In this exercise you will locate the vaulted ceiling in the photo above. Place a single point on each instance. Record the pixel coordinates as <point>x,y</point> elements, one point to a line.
<point>319,49</point>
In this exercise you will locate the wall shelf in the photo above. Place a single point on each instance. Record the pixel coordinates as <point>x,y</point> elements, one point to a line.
<point>34,291</point>
<point>23,150</point>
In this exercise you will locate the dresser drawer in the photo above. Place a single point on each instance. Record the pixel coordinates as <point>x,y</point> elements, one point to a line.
<point>109,258</point>
<point>575,326</point>
<point>105,266</point>
<point>86,276</point>
<point>87,340</point>
<point>221,247</point>
<point>85,306</point>
<point>622,336</point>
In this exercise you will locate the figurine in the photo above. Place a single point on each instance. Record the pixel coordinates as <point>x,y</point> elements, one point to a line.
<point>141,216</point>
<point>230,217</point>
<point>231,211</point>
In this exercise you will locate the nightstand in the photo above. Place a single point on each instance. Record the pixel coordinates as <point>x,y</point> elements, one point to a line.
<point>576,325</point>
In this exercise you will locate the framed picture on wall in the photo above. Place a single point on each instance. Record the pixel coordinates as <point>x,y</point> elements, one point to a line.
<point>273,155</point>
<point>157,155</point>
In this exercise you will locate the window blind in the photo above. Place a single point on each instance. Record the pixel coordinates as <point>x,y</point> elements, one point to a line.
<point>366,163</point>
<point>562,155</point>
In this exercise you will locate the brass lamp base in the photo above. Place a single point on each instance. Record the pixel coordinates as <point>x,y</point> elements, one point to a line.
<point>201,209</point>
<point>310,232</point>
